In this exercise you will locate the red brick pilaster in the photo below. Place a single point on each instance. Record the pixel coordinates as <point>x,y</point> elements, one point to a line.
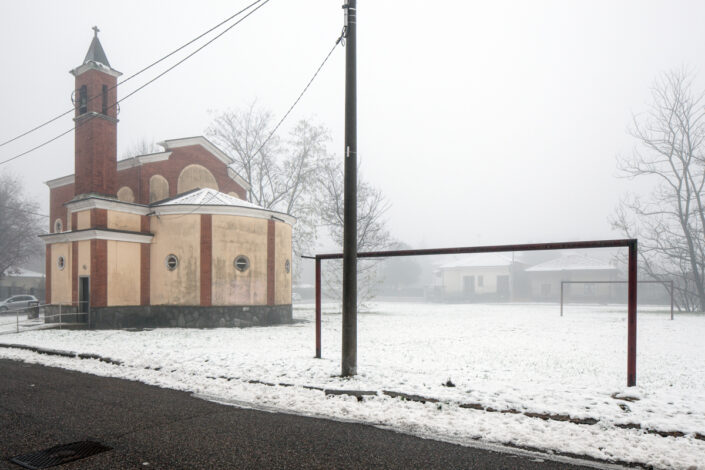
<point>74,272</point>
<point>270,263</point>
<point>47,278</point>
<point>145,249</point>
<point>99,218</point>
<point>206,258</point>
<point>99,273</point>
<point>144,224</point>
<point>74,221</point>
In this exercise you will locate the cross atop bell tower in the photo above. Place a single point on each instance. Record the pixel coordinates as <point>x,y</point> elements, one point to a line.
<point>95,100</point>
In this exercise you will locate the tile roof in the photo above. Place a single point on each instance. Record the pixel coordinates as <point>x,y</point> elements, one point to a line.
<point>572,262</point>
<point>482,260</point>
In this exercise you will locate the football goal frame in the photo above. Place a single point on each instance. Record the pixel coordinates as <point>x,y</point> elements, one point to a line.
<point>631,244</point>
<point>663,283</point>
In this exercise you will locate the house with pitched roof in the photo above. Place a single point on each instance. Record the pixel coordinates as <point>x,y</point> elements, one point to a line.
<point>545,279</point>
<point>165,239</point>
<point>482,277</point>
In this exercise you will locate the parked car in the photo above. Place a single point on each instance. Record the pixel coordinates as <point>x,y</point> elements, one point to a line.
<point>17,302</point>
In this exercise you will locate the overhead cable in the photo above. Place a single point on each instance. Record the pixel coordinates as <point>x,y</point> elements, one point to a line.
<point>130,77</point>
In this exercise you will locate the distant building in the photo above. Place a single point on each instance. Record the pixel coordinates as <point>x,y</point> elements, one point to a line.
<point>545,279</point>
<point>16,281</point>
<point>165,239</point>
<point>481,277</point>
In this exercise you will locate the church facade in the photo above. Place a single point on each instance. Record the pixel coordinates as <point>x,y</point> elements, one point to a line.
<point>159,240</point>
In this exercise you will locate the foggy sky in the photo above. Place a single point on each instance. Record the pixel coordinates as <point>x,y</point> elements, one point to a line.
<point>483,122</point>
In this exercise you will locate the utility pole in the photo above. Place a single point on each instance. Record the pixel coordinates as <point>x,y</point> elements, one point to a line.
<point>349,361</point>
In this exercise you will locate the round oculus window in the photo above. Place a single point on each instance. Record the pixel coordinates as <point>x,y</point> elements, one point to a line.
<point>287,266</point>
<point>172,262</point>
<point>242,263</point>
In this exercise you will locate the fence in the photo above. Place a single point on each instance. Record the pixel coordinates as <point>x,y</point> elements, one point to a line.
<point>42,316</point>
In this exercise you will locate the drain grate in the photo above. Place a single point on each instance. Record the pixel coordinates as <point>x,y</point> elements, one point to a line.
<point>59,455</point>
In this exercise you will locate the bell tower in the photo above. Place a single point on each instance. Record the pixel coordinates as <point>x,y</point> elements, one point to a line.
<point>95,100</point>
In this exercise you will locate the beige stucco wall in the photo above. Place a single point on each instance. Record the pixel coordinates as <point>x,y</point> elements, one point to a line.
<point>234,236</point>
<point>123,221</point>
<point>179,235</point>
<point>83,220</point>
<point>84,258</point>
<point>123,273</point>
<point>282,253</point>
<point>61,279</point>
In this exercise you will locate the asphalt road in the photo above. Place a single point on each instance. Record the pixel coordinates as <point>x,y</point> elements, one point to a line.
<point>151,427</point>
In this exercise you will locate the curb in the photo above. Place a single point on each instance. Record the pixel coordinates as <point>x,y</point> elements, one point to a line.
<point>361,394</point>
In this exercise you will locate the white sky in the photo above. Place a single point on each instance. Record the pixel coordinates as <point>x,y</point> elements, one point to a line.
<point>483,122</point>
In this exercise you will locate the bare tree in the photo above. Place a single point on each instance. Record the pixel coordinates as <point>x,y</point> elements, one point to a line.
<point>296,175</point>
<point>19,225</point>
<point>282,172</point>
<point>141,147</point>
<point>372,233</point>
<point>670,221</point>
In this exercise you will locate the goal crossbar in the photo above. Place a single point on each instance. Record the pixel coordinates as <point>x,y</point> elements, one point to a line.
<point>630,243</point>
<point>663,283</point>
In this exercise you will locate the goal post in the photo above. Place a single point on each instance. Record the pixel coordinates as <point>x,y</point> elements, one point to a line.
<point>630,243</point>
<point>663,283</point>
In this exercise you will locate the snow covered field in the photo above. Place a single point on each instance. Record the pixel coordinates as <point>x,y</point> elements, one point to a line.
<point>524,359</point>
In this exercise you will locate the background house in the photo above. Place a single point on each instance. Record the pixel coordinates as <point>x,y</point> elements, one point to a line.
<point>545,279</point>
<point>482,277</point>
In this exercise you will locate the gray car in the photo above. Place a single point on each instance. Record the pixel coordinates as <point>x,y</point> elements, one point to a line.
<point>17,302</point>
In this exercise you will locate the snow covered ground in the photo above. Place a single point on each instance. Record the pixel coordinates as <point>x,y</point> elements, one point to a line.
<point>523,358</point>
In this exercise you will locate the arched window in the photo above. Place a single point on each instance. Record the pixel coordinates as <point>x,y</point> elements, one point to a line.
<point>105,99</point>
<point>158,188</point>
<point>125,194</point>
<point>83,100</point>
<point>195,176</point>
<point>58,226</point>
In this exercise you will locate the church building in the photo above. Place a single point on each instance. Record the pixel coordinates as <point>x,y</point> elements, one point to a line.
<point>158,240</point>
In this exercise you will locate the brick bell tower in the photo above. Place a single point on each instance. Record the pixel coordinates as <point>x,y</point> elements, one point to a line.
<point>95,98</point>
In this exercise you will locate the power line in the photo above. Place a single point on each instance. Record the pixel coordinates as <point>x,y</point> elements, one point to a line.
<point>338,41</point>
<point>138,89</point>
<point>130,77</point>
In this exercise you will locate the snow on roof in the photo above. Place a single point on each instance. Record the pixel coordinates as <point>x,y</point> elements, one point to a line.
<point>207,197</point>
<point>21,272</point>
<point>572,262</point>
<point>482,260</point>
